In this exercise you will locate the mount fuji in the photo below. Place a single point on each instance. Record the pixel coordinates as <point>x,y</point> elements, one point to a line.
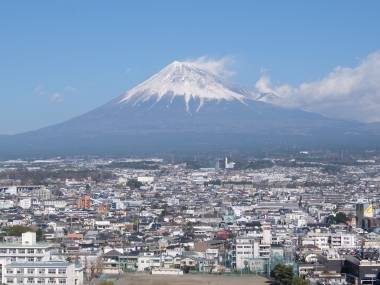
<point>184,109</point>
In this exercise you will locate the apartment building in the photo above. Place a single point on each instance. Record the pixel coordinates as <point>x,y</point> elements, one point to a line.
<point>247,248</point>
<point>328,240</point>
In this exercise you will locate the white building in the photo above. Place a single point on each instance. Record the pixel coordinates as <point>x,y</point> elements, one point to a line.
<point>47,272</point>
<point>148,261</point>
<point>26,250</point>
<point>145,179</point>
<point>25,203</point>
<point>247,248</point>
<point>327,240</point>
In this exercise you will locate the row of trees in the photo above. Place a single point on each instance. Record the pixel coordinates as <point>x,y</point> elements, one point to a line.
<point>19,230</point>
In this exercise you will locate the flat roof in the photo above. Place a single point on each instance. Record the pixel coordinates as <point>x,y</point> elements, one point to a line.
<point>19,244</point>
<point>38,264</point>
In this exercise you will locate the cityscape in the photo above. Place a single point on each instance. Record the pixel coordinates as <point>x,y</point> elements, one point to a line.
<point>87,217</point>
<point>190,142</point>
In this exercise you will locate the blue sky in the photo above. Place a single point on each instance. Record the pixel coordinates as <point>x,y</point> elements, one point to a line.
<point>60,59</point>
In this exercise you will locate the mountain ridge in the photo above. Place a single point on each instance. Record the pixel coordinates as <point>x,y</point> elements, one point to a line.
<point>186,109</point>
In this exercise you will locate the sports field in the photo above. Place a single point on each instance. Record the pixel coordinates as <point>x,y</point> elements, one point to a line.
<point>198,279</point>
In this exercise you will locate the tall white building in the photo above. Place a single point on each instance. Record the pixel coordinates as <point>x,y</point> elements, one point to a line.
<point>247,248</point>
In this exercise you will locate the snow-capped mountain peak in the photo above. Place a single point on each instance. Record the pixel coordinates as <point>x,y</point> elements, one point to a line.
<point>186,80</point>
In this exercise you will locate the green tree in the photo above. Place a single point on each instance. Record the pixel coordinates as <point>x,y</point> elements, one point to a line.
<point>133,183</point>
<point>283,273</point>
<point>39,235</point>
<point>185,269</point>
<point>300,281</point>
<point>17,230</point>
<point>341,217</point>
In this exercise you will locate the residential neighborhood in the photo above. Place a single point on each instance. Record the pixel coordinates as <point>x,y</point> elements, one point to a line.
<point>72,221</point>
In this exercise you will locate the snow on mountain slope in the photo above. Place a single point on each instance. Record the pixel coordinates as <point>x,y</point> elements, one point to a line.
<point>184,79</point>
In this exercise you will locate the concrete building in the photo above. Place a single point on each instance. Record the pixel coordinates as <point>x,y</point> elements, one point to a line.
<point>84,202</point>
<point>25,203</point>
<point>47,272</point>
<point>26,250</point>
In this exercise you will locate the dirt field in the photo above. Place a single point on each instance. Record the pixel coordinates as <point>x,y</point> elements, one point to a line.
<point>199,279</point>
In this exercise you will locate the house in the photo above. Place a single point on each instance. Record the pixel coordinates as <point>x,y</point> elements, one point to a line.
<point>203,246</point>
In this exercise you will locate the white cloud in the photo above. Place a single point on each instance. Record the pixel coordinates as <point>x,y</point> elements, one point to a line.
<point>217,67</point>
<point>350,93</point>
<point>128,71</point>
<point>39,90</point>
<point>70,89</point>
<point>56,97</point>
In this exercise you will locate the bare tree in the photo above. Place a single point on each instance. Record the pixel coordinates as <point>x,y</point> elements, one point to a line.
<point>76,257</point>
<point>86,267</point>
<point>92,268</point>
<point>99,266</point>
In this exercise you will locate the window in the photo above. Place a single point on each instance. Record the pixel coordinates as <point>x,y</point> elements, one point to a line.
<point>41,271</point>
<point>41,280</point>
<point>12,251</point>
<point>20,270</point>
<point>20,280</point>
<point>40,251</point>
<point>13,258</point>
<point>30,280</point>
<point>30,250</point>
<point>9,280</point>
<point>21,259</point>
<point>9,271</point>
<point>61,271</point>
<point>21,251</point>
<point>239,246</point>
<point>30,258</point>
<point>51,280</point>
<point>62,281</point>
<point>51,270</point>
<point>30,270</point>
<point>142,261</point>
<point>3,250</point>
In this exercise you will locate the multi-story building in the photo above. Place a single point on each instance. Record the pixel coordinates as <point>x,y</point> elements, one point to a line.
<point>247,248</point>
<point>328,240</point>
<point>26,250</point>
<point>84,202</point>
<point>47,272</point>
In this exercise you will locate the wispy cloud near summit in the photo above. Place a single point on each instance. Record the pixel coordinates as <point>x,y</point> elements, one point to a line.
<point>350,93</point>
<point>217,67</point>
